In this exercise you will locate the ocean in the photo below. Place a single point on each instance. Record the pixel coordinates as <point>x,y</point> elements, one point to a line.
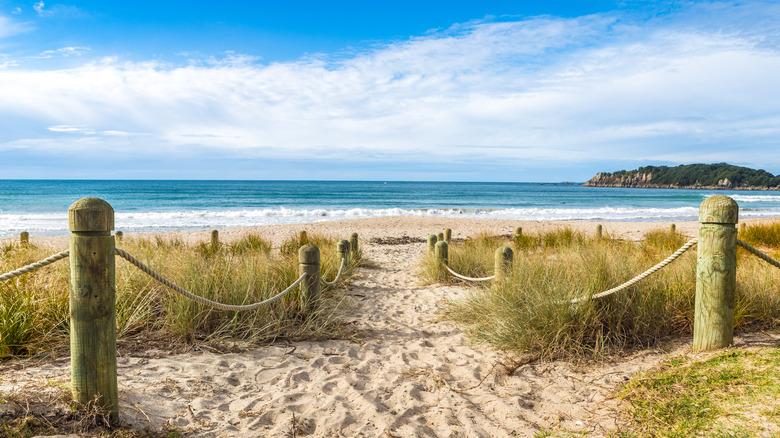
<point>40,206</point>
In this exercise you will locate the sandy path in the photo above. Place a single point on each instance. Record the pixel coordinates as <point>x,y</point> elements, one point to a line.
<point>410,376</point>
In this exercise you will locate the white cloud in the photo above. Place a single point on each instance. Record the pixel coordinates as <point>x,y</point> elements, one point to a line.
<point>39,8</point>
<point>16,11</point>
<point>10,27</point>
<point>568,90</point>
<point>64,51</point>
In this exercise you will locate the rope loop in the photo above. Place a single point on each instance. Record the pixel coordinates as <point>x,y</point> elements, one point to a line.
<point>33,266</point>
<point>463,277</point>
<point>758,254</point>
<point>338,275</point>
<point>137,263</point>
<point>638,278</point>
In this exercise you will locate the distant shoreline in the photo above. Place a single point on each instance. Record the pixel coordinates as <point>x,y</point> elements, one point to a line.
<point>672,186</point>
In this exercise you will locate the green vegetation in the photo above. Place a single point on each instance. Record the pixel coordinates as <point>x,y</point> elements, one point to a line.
<point>732,394</point>
<point>692,175</point>
<point>530,313</point>
<point>34,307</point>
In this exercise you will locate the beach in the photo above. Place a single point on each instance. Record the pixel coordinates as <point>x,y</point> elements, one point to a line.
<point>405,373</point>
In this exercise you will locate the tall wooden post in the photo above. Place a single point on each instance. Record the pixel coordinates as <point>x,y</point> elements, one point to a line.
<point>442,258</point>
<point>448,235</point>
<point>24,238</point>
<point>432,242</point>
<point>92,304</point>
<point>343,248</point>
<point>716,274</point>
<point>353,244</point>
<point>309,259</point>
<point>599,231</point>
<point>214,240</point>
<point>440,237</point>
<point>503,263</point>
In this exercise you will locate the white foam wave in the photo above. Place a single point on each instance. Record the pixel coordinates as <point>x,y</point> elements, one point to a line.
<point>756,198</point>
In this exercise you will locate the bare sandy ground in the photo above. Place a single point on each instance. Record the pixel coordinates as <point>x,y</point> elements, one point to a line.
<point>409,375</point>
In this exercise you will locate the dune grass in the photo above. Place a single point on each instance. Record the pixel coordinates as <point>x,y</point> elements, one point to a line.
<point>530,313</point>
<point>34,315</point>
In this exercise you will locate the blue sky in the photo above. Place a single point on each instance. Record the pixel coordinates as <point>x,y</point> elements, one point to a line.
<point>442,90</point>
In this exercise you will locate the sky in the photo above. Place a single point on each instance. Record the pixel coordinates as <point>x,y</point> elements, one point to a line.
<point>385,90</point>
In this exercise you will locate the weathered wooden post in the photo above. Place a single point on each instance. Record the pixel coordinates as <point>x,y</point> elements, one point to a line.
<point>440,237</point>
<point>448,235</point>
<point>24,238</point>
<point>517,236</point>
<point>716,274</point>
<point>214,240</point>
<point>353,244</point>
<point>119,235</point>
<point>92,304</point>
<point>442,259</point>
<point>672,228</point>
<point>504,259</point>
<point>343,248</point>
<point>432,239</point>
<point>309,259</point>
<point>742,227</point>
<point>303,237</point>
<point>599,233</point>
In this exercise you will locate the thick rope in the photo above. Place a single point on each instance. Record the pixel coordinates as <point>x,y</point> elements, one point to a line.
<point>463,277</point>
<point>190,295</point>
<point>33,266</point>
<point>639,277</point>
<point>341,268</point>
<point>759,254</point>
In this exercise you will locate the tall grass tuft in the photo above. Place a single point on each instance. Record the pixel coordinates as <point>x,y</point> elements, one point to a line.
<point>34,313</point>
<point>761,234</point>
<point>531,313</point>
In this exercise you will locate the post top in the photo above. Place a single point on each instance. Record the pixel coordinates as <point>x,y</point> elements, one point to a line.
<point>504,250</point>
<point>309,254</point>
<point>90,214</point>
<point>719,209</point>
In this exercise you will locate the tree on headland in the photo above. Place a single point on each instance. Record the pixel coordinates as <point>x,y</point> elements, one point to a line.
<point>720,175</point>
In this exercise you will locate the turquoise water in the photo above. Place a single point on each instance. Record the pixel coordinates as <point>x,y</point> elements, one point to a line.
<point>40,206</point>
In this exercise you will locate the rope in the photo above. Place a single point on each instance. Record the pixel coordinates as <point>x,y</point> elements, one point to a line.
<point>190,295</point>
<point>341,268</point>
<point>758,254</point>
<point>463,277</point>
<point>33,266</point>
<point>639,277</point>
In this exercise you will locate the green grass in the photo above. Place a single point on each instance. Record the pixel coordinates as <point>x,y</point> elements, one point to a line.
<point>528,313</point>
<point>765,234</point>
<point>34,315</point>
<point>731,394</point>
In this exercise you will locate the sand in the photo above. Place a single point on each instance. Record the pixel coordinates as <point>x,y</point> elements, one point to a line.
<point>408,375</point>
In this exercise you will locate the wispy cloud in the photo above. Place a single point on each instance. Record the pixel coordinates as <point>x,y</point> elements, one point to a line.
<point>64,51</point>
<point>10,27</point>
<point>698,84</point>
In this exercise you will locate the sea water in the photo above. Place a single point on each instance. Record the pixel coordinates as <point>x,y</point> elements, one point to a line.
<point>40,206</point>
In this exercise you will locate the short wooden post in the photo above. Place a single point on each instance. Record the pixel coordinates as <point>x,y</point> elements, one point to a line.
<point>343,248</point>
<point>442,259</point>
<point>599,231</point>
<point>24,238</point>
<point>716,274</point>
<point>303,237</point>
<point>504,259</point>
<point>93,304</point>
<point>517,236</point>
<point>309,259</point>
<point>448,235</point>
<point>440,237</point>
<point>742,227</point>
<point>672,228</point>
<point>432,239</point>
<point>214,240</point>
<point>119,235</point>
<point>353,244</point>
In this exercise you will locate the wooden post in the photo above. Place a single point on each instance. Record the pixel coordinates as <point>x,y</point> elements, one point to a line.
<point>309,258</point>
<point>440,237</point>
<point>442,258</point>
<point>343,248</point>
<point>214,240</point>
<point>716,274</point>
<point>303,238</point>
<point>93,304</point>
<point>599,233</point>
<point>119,235</point>
<point>24,238</point>
<point>353,244</point>
<point>672,228</point>
<point>518,235</point>
<point>448,235</point>
<point>432,242</point>
<point>742,227</point>
<point>504,258</point>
